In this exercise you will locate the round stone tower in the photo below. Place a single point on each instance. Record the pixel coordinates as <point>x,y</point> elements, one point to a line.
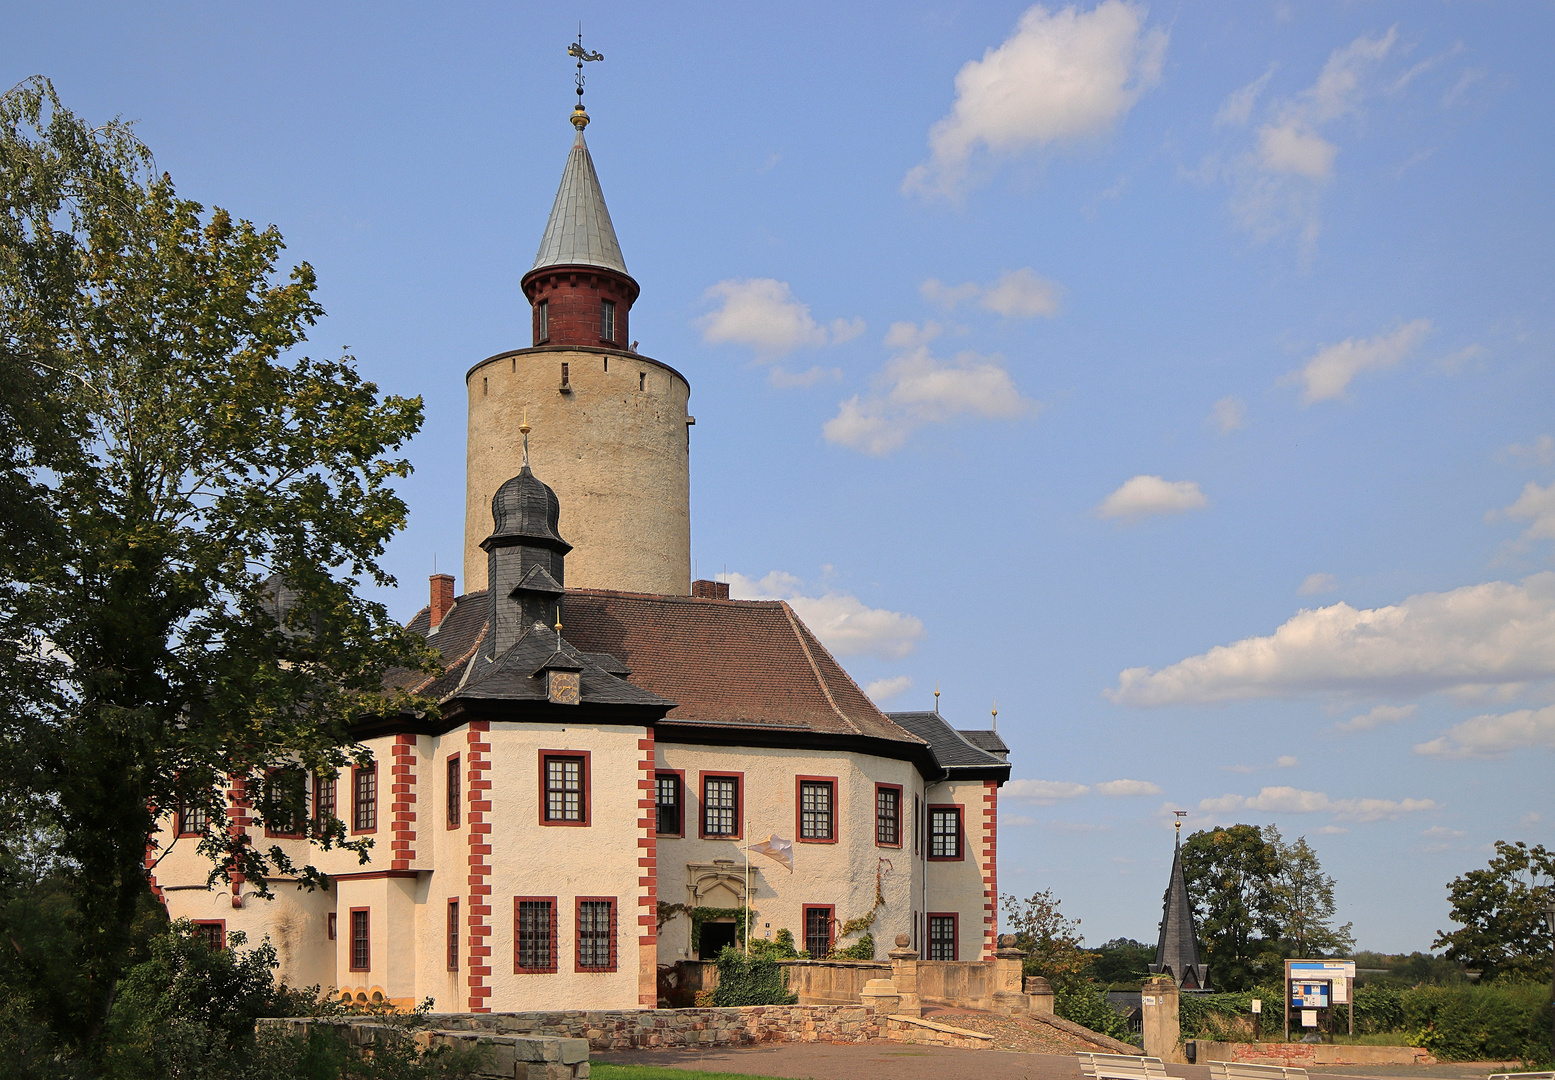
<point>611,431</point>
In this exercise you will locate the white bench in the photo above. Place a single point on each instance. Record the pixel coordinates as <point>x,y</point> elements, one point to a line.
<point>1242,1070</point>
<point>1523,1076</point>
<point>1120,1067</point>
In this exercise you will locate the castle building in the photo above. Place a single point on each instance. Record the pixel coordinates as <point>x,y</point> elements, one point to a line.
<point>611,737</point>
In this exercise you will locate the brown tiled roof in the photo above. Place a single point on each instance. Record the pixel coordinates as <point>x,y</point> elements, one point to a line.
<point>741,663</point>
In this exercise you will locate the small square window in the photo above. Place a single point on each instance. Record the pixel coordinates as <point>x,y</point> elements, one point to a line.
<point>669,811</point>
<point>816,817</point>
<point>888,815</point>
<point>454,778</point>
<point>323,800</point>
<point>364,802</point>
<point>192,819</point>
<point>596,938</point>
<point>944,832</point>
<point>361,940</point>
<point>214,934</point>
<point>818,931</point>
<point>453,935</point>
<point>566,790</point>
<point>721,806</point>
<point>534,934</point>
<point>942,937</point>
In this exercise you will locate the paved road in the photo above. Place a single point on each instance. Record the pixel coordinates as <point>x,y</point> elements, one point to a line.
<point>873,1061</point>
<point>891,1061</point>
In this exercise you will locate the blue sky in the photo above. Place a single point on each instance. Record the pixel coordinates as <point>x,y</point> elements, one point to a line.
<point>1177,376</point>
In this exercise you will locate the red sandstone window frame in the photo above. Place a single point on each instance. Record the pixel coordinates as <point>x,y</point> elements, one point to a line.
<point>366,938</point>
<point>680,809</point>
<point>453,790</point>
<point>453,933</point>
<point>739,804</point>
<point>960,811</point>
<point>831,927</point>
<point>302,819</point>
<point>586,775</point>
<point>519,968</point>
<point>184,813</point>
<point>322,784</point>
<point>955,934</point>
<point>613,931</point>
<point>216,941</point>
<point>897,788</point>
<point>831,809</point>
<point>357,802</point>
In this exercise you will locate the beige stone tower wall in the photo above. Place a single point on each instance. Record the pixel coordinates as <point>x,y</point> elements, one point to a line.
<point>614,447</point>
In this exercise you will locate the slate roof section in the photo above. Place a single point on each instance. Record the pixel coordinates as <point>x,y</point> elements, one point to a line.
<point>956,753</point>
<point>729,663</point>
<point>579,232</point>
<point>1177,952</point>
<point>513,675</point>
<point>987,740</point>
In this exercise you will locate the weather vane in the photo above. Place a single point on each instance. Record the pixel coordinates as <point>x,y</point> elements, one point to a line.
<point>577,49</point>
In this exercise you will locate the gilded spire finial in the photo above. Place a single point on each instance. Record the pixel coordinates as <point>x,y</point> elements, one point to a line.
<point>1180,815</point>
<point>524,428</point>
<point>936,697</point>
<point>996,714</point>
<point>580,119</point>
<point>558,628</point>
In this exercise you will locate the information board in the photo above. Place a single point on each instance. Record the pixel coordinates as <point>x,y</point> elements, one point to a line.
<point>1308,995</point>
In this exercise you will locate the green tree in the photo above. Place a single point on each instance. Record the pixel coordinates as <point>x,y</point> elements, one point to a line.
<point>1500,911</point>
<point>1231,873</point>
<point>1054,946</point>
<point>1303,901</point>
<point>1122,960</point>
<point>169,461</point>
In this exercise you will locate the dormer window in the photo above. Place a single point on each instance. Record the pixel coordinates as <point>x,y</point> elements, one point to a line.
<point>542,321</point>
<point>607,319</point>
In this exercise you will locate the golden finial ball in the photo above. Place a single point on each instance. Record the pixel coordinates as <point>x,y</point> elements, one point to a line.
<point>580,119</point>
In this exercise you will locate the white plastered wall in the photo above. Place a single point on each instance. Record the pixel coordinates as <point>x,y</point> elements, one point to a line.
<point>958,886</point>
<point>841,874</point>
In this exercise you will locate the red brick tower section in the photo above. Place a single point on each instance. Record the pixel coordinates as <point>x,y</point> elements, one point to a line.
<point>647,879</point>
<point>477,762</point>
<point>990,868</point>
<point>402,795</point>
<point>574,298</point>
<point>237,828</point>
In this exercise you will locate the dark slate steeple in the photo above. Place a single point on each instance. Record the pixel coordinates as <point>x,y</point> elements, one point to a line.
<point>524,558</point>
<point>1177,953</point>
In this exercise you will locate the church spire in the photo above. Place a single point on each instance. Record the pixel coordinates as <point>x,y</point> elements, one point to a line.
<point>1177,953</point>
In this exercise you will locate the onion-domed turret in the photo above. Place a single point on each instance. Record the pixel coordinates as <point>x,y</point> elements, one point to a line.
<point>525,557</point>
<point>526,508</point>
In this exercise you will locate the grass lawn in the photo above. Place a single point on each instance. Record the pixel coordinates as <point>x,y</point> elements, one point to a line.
<point>600,1071</point>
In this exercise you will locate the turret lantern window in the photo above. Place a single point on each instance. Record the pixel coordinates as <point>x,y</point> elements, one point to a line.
<point>542,321</point>
<point>607,319</point>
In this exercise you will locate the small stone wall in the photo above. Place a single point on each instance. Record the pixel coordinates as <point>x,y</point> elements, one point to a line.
<point>509,1057</point>
<point>831,982</point>
<point>1304,1055</point>
<point>912,1029</point>
<point>963,984</point>
<point>632,1029</point>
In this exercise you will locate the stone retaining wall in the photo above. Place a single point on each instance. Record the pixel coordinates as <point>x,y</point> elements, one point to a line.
<point>1304,1055</point>
<point>505,1056</point>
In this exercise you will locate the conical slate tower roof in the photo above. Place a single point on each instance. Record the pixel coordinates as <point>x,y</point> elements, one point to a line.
<point>579,232</point>
<point>1177,954</point>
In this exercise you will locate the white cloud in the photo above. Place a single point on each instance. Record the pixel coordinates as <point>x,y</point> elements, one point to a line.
<point>1442,832</point>
<point>841,620</point>
<point>1491,736</point>
<point>1535,504</point>
<point>1015,819</point>
<point>764,315</point>
<point>915,389</point>
<point>1328,374</point>
<point>906,335</point>
<point>1289,800</point>
<point>784,379</point>
<point>1021,294</point>
<point>1379,716</point>
<point>1456,92</point>
<point>1145,496</point>
<point>1492,634</point>
<point>1278,181</point>
<point>1540,451</point>
<point>1043,792</point>
<point>1063,76</point>
<point>1237,109</point>
<point>1332,830</point>
<point>884,689</point>
<point>1128,787</point>
<point>1315,584</point>
<point>1229,414</point>
<point>1286,761</point>
<point>1017,294</point>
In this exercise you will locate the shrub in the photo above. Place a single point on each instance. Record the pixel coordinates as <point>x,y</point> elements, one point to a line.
<point>1500,1021</point>
<point>750,980</point>
<point>780,947</point>
<point>1228,1017</point>
<point>862,949</point>
<point>1086,1005</point>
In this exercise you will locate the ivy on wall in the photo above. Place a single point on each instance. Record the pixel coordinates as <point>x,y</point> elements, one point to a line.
<point>700,915</point>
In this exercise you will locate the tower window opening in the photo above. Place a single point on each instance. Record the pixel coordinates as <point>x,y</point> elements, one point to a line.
<point>607,363</point>
<point>485,386</point>
<point>607,319</point>
<point>542,323</point>
<point>642,380</point>
<point>565,376</point>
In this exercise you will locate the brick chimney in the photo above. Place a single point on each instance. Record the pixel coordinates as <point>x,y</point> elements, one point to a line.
<point>442,598</point>
<point>710,590</point>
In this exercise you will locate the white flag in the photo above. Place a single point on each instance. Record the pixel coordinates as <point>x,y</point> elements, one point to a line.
<point>777,849</point>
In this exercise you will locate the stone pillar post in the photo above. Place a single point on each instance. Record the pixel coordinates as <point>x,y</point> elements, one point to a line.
<point>1040,993</point>
<point>1161,1028</point>
<point>1009,998</point>
<point>904,977</point>
<point>881,995</point>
